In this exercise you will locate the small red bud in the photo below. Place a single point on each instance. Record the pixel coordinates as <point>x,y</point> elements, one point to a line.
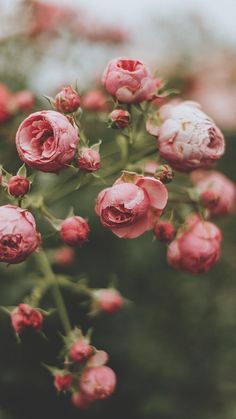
<point>24,317</point>
<point>18,186</point>
<point>63,382</point>
<point>67,100</point>
<point>80,351</point>
<point>74,231</point>
<point>164,231</point>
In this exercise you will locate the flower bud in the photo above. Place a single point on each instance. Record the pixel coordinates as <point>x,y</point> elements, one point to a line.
<point>164,231</point>
<point>62,382</point>
<point>164,173</point>
<point>79,401</point>
<point>80,351</point>
<point>24,317</point>
<point>119,119</point>
<point>67,100</point>
<point>24,100</point>
<point>108,300</point>
<point>97,383</point>
<point>94,101</point>
<point>74,231</point>
<point>210,199</point>
<point>18,186</point>
<point>89,160</point>
<point>64,256</point>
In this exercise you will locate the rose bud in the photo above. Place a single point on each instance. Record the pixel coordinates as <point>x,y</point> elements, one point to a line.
<point>188,139</point>
<point>24,100</point>
<point>65,256</point>
<point>218,193</point>
<point>18,235</point>
<point>80,351</point>
<point>197,246</point>
<point>108,300</point>
<point>74,231</point>
<point>79,401</point>
<point>164,173</point>
<point>47,141</point>
<point>129,81</point>
<point>94,101</point>
<point>67,100</point>
<point>62,382</point>
<point>119,119</point>
<point>130,209</point>
<point>164,231</point>
<point>18,186</point>
<point>89,160</point>
<point>97,383</point>
<point>25,317</point>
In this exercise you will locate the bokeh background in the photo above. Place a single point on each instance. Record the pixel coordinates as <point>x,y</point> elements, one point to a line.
<point>174,347</point>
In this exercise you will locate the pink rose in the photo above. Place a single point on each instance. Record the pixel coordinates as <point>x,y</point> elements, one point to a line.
<point>130,209</point>
<point>129,81</point>
<point>188,138</point>
<point>18,186</point>
<point>18,235</point>
<point>24,100</point>
<point>74,231</point>
<point>119,118</point>
<point>80,351</point>
<point>5,98</point>
<point>197,246</point>
<point>63,382</point>
<point>94,101</point>
<point>217,191</point>
<point>24,317</point>
<point>67,100</point>
<point>108,300</point>
<point>97,383</point>
<point>79,400</point>
<point>89,160</point>
<point>64,256</point>
<point>47,141</point>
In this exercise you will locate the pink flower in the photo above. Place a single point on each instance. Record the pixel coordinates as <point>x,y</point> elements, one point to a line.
<point>67,100</point>
<point>24,100</point>
<point>18,235</point>
<point>130,209</point>
<point>5,98</point>
<point>74,231</point>
<point>217,191</point>
<point>98,359</point>
<point>18,186</point>
<point>94,101</point>
<point>63,382</point>
<point>119,118</point>
<point>164,231</point>
<point>89,160</point>
<point>24,317</point>
<point>64,256</point>
<point>197,246</point>
<point>129,81</point>
<point>80,351</point>
<point>188,138</point>
<point>80,401</point>
<point>47,141</point>
<point>97,383</point>
<point>108,300</point>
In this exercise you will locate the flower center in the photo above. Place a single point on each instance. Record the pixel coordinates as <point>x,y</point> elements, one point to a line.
<point>130,65</point>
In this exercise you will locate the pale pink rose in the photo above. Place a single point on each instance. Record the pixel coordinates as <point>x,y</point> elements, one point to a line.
<point>5,98</point>
<point>47,141</point>
<point>94,101</point>
<point>18,235</point>
<point>67,100</point>
<point>97,383</point>
<point>108,300</point>
<point>197,246</point>
<point>188,139</point>
<point>129,81</point>
<point>150,167</point>
<point>98,359</point>
<point>25,317</point>
<point>130,209</point>
<point>89,160</point>
<point>74,230</point>
<point>223,191</point>
<point>23,100</point>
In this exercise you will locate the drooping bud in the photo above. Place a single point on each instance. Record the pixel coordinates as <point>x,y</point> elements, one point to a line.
<point>89,160</point>
<point>119,119</point>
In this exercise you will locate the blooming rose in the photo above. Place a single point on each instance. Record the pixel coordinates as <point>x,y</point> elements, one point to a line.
<point>80,351</point>
<point>197,246</point>
<point>89,160</point>
<point>74,231</point>
<point>94,101</point>
<point>97,383</point>
<point>188,138</point>
<point>119,118</point>
<point>67,100</point>
<point>24,317</point>
<point>217,191</point>
<point>63,382</point>
<point>130,209</point>
<point>18,186</point>
<point>108,300</point>
<point>129,81</point>
<point>46,141</point>
<point>18,235</point>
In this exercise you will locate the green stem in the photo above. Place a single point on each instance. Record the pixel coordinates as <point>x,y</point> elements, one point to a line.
<point>49,275</point>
